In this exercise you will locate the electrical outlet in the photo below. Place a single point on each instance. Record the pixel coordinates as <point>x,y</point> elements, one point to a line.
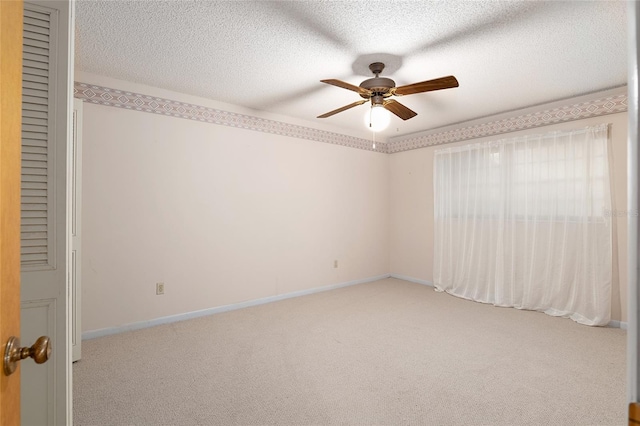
<point>335,263</point>
<point>159,288</point>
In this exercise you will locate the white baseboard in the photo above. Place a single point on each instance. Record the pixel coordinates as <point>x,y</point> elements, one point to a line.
<point>617,324</point>
<point>93,334</point>
<point>411,279</point>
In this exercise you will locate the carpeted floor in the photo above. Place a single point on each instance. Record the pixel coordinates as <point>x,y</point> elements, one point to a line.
<point>383,353</point>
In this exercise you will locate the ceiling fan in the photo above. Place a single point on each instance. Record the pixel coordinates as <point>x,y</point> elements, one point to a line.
<point>378,89</point>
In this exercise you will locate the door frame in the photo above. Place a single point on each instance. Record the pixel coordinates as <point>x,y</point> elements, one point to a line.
<point>633,325</point>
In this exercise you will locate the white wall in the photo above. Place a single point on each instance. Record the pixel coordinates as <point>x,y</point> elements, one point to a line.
<point>411,201</point>
<point>224,215</point>
<point>221,215</point>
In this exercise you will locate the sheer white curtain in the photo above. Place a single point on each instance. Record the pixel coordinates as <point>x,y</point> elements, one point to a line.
<point>525,222</point>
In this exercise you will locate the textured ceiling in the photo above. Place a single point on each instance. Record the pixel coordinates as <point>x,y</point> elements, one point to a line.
<point>270,55</point>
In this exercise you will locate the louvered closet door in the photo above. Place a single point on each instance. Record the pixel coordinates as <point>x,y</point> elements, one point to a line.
<point>36,247</point>
<point>44,290</point>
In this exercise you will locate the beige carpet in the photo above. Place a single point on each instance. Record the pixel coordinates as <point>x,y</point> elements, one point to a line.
<point>382,353</point>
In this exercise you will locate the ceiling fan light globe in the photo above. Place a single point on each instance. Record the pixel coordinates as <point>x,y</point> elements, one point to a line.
<point>377,118</point>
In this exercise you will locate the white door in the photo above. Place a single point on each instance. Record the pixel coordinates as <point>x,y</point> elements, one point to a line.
<point>46,135</point>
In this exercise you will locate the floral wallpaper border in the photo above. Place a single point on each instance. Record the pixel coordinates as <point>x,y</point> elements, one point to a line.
<point>139,102</point>
<point>578,111</point>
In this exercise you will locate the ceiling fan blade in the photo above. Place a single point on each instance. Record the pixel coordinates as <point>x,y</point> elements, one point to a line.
<point>427,86</point>
<point>348,86</point>
<point>398,109</point>
<point>344,108</point>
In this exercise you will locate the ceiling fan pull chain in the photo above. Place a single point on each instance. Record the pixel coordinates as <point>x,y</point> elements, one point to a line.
<point>371,125</point>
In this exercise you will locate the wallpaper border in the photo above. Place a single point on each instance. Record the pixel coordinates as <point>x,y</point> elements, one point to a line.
<point>145,103</point>
<point>575,111</point>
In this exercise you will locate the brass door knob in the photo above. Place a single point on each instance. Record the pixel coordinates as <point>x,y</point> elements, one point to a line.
<point>40,351</point>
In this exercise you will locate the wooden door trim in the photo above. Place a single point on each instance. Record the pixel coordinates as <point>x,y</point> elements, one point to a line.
<point>10,147</point>
<point>634,414</point>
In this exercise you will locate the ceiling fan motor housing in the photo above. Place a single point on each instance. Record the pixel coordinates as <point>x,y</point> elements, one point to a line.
<point>378,86</point>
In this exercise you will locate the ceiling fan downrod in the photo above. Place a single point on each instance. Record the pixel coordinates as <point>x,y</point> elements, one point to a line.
<point>376,68</point>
